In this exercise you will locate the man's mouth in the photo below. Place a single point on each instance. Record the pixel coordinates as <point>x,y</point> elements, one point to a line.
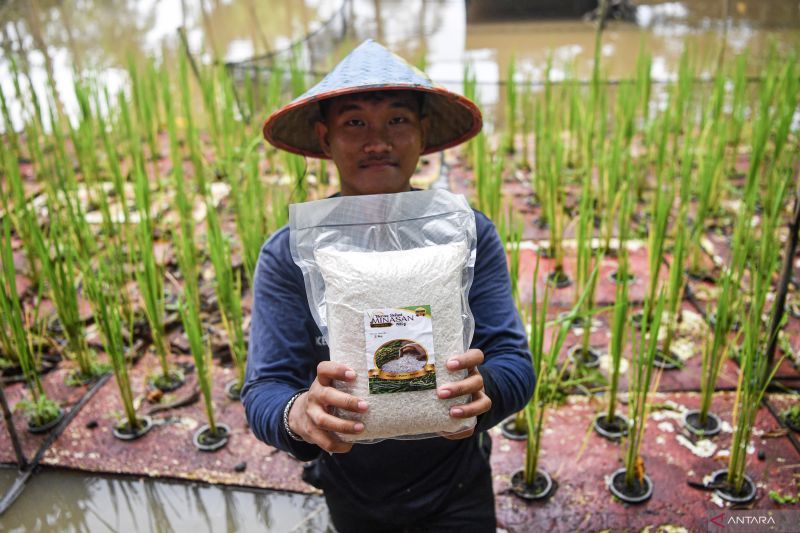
<point>376,163</point>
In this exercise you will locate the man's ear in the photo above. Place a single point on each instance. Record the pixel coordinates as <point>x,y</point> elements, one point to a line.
<point>424,124</point>
<point>321,129</point>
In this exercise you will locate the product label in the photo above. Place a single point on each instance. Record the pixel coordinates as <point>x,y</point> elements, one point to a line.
<point>399,349</point>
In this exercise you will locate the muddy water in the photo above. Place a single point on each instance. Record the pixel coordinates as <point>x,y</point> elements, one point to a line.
<point>444,35</point>
<point>92,36</point>
<point>68,501</point>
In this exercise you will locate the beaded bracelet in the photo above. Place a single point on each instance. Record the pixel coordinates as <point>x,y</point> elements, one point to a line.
<point>286,410</point>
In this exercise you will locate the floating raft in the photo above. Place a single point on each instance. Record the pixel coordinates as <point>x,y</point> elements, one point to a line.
<point>577,458</point>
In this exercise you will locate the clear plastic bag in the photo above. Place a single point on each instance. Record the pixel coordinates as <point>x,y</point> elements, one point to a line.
<point>387,279</point>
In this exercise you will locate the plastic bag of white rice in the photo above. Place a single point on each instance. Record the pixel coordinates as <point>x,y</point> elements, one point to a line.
<point>387,279</point>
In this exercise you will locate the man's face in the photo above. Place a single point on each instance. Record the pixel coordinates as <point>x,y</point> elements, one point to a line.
<point>375,139</point>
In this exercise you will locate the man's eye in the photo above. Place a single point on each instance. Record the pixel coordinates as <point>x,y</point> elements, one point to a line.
<point>354,122</point>
<point>398,120</point>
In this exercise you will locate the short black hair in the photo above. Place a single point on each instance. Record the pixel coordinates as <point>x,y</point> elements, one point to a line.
<point>325,105</point>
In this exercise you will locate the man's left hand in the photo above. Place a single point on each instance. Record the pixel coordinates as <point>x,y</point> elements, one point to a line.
<point>471,385</point>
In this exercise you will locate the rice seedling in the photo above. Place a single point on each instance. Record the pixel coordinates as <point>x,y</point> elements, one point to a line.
<point>511,108</point>
<point>712,146</point>
<point>535,483</point>
<point>146,103</point>
<point>192,138</point>
<point>750,388</point>
<point>660,209</point>
<point>297,78</point>
<point>228,286</point>
<point>39,409</point>
<point>543,110</point>
<point>631,482</point>
<point>613,425</point>
<point>715,349</point>
<point>675,285</point>
<point>586,262</point>
<point>59,270</point>
<point>250,202</point>
<point>149,277</point>
<point>201,353</point>
<point>527,108</point>
<point>297,167</point>
<point>102,293</point>
<point>554,206</point>
<point>488,177</point>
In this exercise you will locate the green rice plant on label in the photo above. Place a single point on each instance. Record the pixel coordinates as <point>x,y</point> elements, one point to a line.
<point>102,293</point>
<point>39,409</point>
<point>228,287</point>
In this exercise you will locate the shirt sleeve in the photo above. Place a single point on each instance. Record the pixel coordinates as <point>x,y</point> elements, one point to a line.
<point>507,369</point>
<point>282,357</point>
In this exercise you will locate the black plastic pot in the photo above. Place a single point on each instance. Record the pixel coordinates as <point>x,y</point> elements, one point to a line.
<point>641,491</point>
<point>614,429</point>
<point>712,320</point>
<point>666,363</point>
<point>541,488</point>
<point>587,359</point>
<point>44,428</point>
<point>559,279</point>
<point>173,381</point>
<point>204,441</point>
<point>719,480</point>
<point>791,423</point>
<point>509,430</point>
<point>691,421</point>
<point>614,274</point>
<point>123,432</point>
<point>636,319</point>
<point>233,390</point>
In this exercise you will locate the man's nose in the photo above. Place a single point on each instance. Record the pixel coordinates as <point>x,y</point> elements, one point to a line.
<point>378,141</point>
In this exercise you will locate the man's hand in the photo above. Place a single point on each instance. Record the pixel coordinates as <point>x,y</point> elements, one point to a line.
<point>472,385</point>
<point>310,415</point>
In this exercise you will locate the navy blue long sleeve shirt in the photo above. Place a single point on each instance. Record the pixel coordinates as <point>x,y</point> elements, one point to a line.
<point>392,476</point>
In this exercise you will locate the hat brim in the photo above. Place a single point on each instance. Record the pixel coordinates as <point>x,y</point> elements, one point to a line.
<point>453,119</point>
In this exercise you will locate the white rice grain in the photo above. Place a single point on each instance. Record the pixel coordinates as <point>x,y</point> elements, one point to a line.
<point>359,281</point>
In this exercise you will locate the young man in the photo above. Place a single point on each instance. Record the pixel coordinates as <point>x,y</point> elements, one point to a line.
<point>374,116</point>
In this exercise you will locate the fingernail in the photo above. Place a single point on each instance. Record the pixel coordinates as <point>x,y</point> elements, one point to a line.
<point>444,393</point>
<point>358,426</point>
<point>350,374</point>
<point>456,411</point>
<point>453,364</point>
<point>362,405</point>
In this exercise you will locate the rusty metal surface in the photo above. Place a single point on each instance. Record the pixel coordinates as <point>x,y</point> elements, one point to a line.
<point>167,450</point>
<point>579,460</point>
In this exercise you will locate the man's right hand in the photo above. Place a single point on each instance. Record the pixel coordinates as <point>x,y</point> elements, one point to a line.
<point>310,415</point>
